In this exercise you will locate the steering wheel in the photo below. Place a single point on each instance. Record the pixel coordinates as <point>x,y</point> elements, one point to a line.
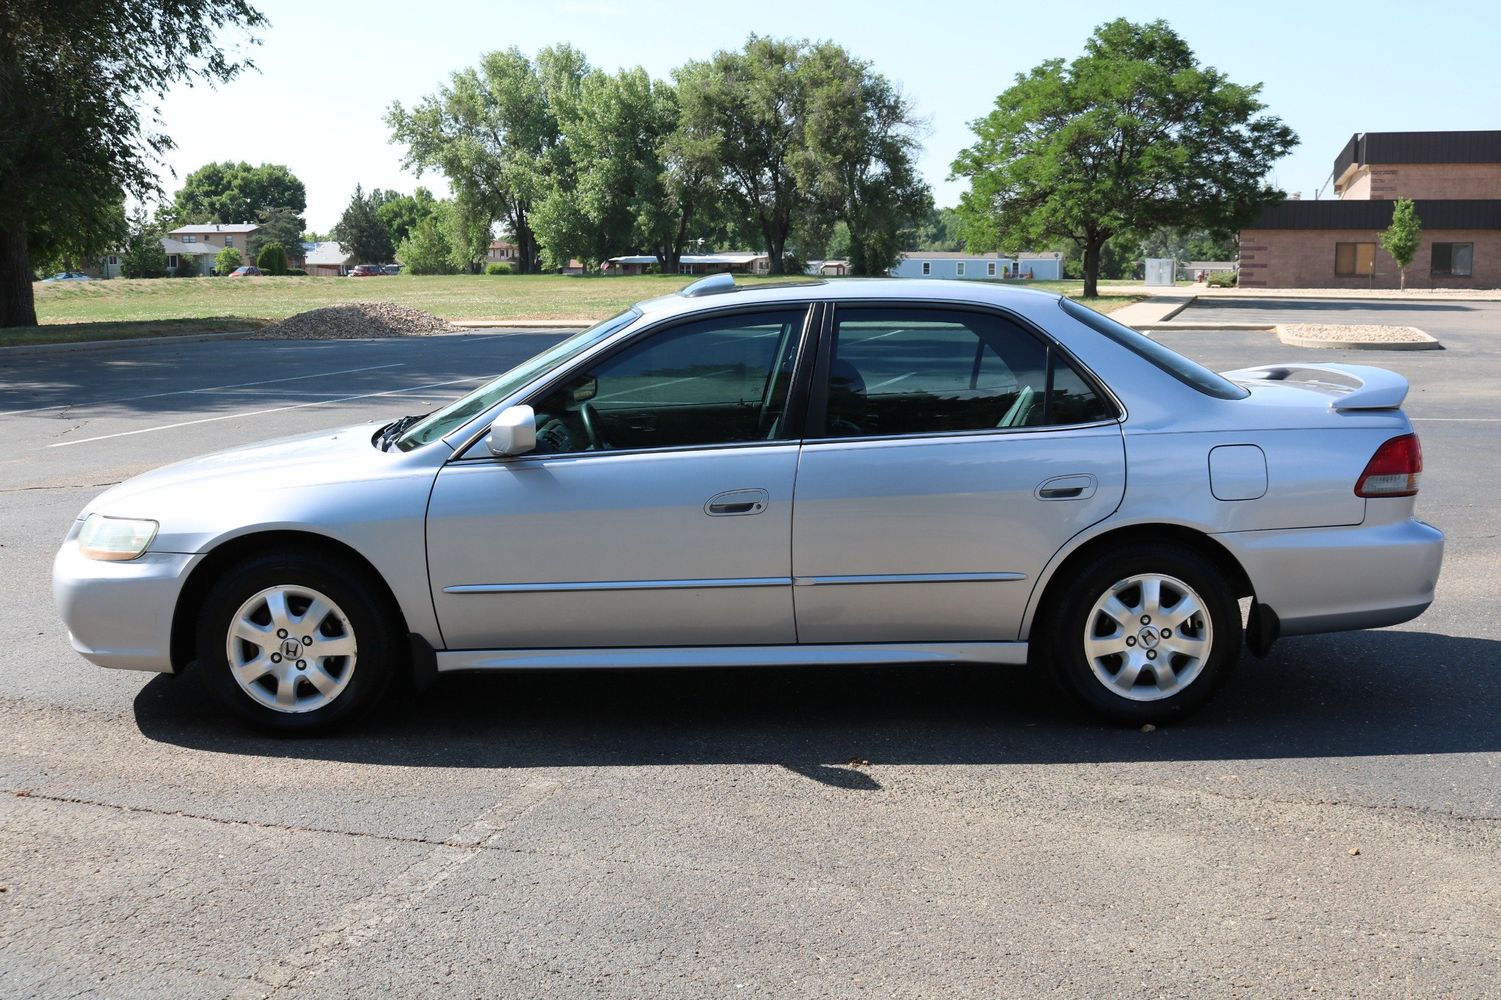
<point>591,426</point>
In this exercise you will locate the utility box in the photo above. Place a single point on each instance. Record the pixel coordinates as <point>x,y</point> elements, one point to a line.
<point>1161,270</point>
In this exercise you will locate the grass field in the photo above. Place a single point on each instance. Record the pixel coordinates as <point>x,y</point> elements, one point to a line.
<point>103,310</point>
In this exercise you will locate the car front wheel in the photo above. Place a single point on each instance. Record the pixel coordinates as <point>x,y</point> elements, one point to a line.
<point>1146,634</point>
<point>295,644</point>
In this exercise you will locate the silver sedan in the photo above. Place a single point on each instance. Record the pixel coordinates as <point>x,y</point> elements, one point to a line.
<point>847,473</point>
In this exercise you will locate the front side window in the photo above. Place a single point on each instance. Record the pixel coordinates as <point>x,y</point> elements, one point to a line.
<point>1453,260</point>
<point>444,421</point>
<point>716,381</point>
<point>896,371</point>
<point>1354,258</point>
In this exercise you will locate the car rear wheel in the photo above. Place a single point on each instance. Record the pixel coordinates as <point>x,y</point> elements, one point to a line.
<point>1146,634</point>
<point>295,644</point>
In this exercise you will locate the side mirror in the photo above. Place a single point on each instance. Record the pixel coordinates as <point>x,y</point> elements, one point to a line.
<point>513,433</point>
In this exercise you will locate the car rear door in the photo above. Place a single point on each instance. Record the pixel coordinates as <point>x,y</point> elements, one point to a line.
<point>950,453</point>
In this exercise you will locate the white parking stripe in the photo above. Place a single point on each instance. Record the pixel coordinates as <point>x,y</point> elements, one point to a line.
<point>207,388</point>
<point>257,413</point>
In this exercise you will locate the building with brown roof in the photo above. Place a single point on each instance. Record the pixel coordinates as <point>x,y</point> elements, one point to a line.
<point>1454,180</point>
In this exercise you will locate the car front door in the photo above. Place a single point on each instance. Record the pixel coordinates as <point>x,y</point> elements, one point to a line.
<point>656,509</point>
<point>950,454</point>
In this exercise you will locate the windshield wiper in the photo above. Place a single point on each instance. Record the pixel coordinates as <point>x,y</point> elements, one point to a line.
<point>392,431</point>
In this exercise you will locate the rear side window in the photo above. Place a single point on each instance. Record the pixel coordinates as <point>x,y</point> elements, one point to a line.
<point>902,371</point>
<point>1190,373</point>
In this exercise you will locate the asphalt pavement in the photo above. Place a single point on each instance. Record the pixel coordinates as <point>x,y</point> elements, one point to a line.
<point>1331,825</point>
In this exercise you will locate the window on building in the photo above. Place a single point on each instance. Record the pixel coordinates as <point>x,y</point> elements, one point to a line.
<point>927,268</point>
<point>959,269</point>
<point>171,261</point>
<point>189,238</point>
<point>1354,258</point>
<point>1453,260</point>
<point>990,269</point>
<point>229,241</point>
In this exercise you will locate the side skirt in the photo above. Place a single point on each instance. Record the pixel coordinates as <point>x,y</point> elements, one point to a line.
<point>866,654</point>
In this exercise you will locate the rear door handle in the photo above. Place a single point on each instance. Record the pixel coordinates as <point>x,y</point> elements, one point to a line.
<point>1078,487</point>
<point>732,502</point>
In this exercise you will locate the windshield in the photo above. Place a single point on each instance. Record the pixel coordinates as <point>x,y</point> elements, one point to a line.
<point>443,422</point>
<point>1188,372</point>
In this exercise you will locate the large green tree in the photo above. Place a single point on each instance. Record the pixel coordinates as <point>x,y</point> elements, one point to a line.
<point>753,101</point>
<point>361,232</point>
<point>400,213</point>
<point>279,225</point>
<point>76,80</point>
<point>860,156</point>
<point>232,192</point>
<point>493,132</point>
<point>1132,135</point>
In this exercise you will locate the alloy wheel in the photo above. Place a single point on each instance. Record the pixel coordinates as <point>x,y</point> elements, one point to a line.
<point>1148,637</point>
<point>291,649</point>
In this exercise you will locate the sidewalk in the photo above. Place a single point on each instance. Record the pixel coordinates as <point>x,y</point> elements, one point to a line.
<point>1158,311</point>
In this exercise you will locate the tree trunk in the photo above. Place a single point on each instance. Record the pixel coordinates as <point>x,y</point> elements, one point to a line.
<point>1402,278</point>
<point>774,248</point>
<point>1092,268</point>
<point>17,304</point>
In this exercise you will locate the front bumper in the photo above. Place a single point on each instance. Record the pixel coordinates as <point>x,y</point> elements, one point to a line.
<point>1333,579</point>
<point>119,614</point>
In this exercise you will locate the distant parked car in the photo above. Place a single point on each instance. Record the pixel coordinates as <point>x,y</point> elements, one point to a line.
<point>367,271</point>
<point>392,269</point>
<point>66,276</point>
<point>248,271</point>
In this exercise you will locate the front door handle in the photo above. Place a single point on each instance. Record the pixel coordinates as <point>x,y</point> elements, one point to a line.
<point>732,502</point>
<point>1079,487</point>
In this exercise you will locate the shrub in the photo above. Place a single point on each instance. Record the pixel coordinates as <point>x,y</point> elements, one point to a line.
<point>227,260</point>
<point>497,269</point>
<point>273,259</point>
<point>186,268</point>
<point>143,256</point>
<point>1222,279</point>
<point>295,272</point>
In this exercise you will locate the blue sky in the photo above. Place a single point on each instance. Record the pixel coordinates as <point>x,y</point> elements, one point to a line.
<point>329,71</point>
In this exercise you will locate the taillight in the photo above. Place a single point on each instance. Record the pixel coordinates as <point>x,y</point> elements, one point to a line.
<point>1393,470</point>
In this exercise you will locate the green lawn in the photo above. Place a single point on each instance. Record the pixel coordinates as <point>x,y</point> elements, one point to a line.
<point>102,310</point>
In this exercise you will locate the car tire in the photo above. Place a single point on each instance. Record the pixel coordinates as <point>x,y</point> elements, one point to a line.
<point>1145,634</point>
<point>253,657</point>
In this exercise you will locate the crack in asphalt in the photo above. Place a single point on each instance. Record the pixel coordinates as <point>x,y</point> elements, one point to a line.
<point>59,486</point>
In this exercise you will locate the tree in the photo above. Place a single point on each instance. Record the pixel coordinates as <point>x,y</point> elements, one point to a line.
<point>400,213</point>
<point>278,225</point>
<point>1132,135</point>
<point>74,80</point>
<point>426,249</point>
<point>493,132</point>
<point>232,192</point>
<point>939,231</point>
<point>754,102</point>
<point>360,231</point>
<point>1403,236</point>
<point>143,256</point>
<point>227,260</point>
<point>861,139</point>
<point>272,259</point>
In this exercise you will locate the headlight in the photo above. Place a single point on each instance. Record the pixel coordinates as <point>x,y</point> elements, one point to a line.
<point>115,538</point>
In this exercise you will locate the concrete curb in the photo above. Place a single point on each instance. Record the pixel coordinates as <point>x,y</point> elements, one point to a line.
<point>517,324</point>
<point>88,345</point>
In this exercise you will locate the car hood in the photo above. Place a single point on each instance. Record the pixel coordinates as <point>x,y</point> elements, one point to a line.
<point>306,481</point>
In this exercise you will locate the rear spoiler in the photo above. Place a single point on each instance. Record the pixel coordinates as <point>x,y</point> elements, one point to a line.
<point>1352,387</point>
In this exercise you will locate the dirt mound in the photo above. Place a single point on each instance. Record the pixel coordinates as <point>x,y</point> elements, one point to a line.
<point>354,321</point>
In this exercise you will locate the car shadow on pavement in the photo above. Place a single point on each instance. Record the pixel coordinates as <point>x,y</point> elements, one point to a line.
<point>1352,694</point>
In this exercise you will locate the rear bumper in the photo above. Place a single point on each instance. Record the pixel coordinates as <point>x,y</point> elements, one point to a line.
<point>119,614</point>
<point>1334,579</point>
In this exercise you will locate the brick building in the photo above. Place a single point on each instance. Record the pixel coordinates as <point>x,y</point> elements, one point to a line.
<point>1454,180</point>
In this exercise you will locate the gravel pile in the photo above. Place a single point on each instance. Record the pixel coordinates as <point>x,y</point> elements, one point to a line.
<point>355,321</point>
<point>1357,336</point>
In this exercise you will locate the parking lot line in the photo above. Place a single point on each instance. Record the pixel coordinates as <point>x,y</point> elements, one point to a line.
<point>207,388</point>
<point>273,409</point>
